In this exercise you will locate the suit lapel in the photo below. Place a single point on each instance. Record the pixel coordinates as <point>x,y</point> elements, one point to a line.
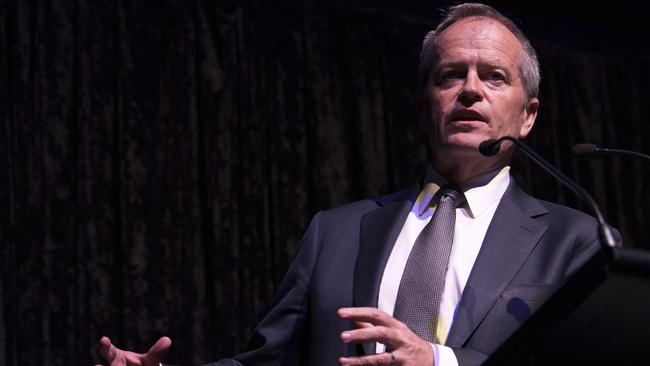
<point>511,237</point>
<point>378,232</point>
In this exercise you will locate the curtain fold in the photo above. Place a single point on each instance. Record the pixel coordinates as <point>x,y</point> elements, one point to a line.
<point>162,159</point>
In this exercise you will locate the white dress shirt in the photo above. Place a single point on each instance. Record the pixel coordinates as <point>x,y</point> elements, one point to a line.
<point>472,220</point>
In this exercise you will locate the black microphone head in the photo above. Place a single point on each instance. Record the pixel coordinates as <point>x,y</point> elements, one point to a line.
<point>584,149</point>
<point>489,147</point>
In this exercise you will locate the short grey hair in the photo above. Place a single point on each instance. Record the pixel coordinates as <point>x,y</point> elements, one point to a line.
<point>528,68</point>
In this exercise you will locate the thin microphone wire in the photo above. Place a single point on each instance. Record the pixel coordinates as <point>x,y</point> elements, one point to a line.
<point>591,150</point>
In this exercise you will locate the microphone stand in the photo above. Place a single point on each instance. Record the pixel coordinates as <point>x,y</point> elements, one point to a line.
<point>491,147</point>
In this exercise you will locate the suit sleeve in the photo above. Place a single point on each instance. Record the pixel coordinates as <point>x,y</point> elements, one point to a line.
<point>277,338</point>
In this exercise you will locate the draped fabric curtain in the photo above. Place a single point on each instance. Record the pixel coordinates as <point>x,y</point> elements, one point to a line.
<point>161,159</point>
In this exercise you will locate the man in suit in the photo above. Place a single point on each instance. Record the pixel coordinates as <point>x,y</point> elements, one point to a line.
<point>353,295</point>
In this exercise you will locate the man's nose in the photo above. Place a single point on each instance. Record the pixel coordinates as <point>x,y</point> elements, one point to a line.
<point>471,90</point>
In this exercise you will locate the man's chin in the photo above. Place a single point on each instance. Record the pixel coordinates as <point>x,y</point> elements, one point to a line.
<point>457,151</point>
<point>466,140</point>
<point>464,145</point>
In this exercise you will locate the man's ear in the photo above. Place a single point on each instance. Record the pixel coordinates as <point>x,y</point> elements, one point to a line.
<point>530,114</point>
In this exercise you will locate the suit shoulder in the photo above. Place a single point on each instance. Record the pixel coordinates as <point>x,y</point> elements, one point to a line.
<point>361,207</point>
<point>567,222</point>
<point>568,214</point>
<point>561,221</point>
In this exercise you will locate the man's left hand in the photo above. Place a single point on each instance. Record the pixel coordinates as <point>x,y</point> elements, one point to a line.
<point>403,347</point>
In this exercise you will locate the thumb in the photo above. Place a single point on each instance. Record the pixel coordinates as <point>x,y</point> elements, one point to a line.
<point>157,352</point>
<point>106,349</point>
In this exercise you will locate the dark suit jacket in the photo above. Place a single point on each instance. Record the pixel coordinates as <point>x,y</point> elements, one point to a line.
<point>530,248</point>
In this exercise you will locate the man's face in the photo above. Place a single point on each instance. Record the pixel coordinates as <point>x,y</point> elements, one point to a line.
<point>476,89</point>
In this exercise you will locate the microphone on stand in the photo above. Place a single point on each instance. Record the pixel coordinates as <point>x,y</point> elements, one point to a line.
<point>592,151</point>
<point>492,147</point>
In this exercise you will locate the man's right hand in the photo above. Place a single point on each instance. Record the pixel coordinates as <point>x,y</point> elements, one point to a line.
<point>117,357</point>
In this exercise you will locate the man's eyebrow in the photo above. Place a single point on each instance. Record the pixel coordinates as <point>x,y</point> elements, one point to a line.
<point>452,65</point>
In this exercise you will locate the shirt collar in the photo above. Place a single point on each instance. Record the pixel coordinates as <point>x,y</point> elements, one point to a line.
<point>480,192</point>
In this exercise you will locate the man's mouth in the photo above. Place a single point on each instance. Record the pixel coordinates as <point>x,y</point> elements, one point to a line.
<point>467,115</point>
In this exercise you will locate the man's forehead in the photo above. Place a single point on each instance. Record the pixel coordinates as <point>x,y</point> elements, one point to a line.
<point>484,38</point>
<point>478,28</point>
<point>480,60</point>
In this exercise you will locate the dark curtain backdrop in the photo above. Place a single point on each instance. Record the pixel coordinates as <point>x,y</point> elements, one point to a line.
<point>161,159</point>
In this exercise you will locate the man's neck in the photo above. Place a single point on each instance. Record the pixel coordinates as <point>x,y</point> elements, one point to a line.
<point>460,172</point>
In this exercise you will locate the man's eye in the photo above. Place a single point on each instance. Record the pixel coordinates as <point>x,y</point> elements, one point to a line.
<point>451,74</point>
<point>496,76</point>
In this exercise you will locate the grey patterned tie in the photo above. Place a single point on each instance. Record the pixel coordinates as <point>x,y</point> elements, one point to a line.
<point>420,290</point>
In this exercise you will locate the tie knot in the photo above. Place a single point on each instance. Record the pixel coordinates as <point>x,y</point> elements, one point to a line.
<point>456,195</point>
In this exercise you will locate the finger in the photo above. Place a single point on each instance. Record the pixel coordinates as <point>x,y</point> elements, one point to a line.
<point>384,335</point>
<point>106,349</point>
<point>369,315</point>
<point>378,359</point>
<point>132,359</point>
<point>363,324</point>
<point>158,351</point>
